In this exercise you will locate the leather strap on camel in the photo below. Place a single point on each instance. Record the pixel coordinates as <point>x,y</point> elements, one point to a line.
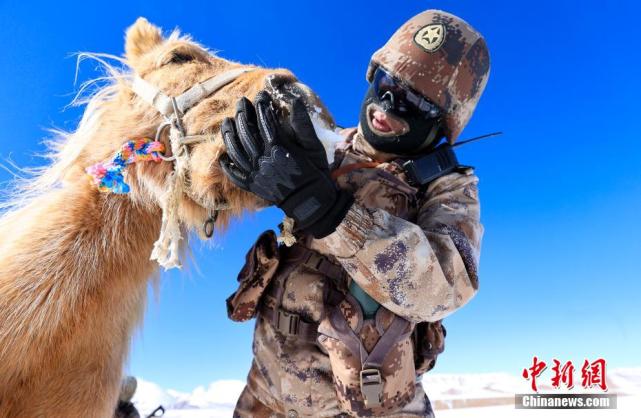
<point>167,105</point>
<point>166,248</point>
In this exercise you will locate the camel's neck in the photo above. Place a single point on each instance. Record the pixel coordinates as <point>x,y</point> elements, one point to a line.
<point>73,271</point>
<point>76,252</point>
<point>79,232</point>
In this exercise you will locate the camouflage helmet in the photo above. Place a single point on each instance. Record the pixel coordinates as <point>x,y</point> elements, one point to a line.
<point>442,57</point>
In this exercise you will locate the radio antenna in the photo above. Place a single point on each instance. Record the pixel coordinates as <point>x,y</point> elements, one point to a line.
<point>476,138</point>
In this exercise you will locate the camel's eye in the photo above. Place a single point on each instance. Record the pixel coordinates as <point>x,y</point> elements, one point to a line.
<point>180,58</point>
<point>182,54</point>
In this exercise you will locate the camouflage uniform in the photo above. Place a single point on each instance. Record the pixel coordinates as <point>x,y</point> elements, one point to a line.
<point>415,252</point>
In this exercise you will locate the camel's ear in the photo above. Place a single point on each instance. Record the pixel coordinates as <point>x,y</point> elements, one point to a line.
<point>141,37</point>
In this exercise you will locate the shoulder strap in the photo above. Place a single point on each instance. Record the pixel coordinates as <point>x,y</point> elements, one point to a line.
<point>371,376</point>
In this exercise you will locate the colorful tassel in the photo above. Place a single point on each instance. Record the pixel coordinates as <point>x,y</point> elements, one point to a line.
<point>109,176</point>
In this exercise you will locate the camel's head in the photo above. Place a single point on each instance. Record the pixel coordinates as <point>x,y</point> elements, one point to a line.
<point>173,65</point>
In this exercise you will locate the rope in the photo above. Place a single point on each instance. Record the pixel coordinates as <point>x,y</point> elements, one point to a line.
<point>287,232</point>
<point>166,250</point>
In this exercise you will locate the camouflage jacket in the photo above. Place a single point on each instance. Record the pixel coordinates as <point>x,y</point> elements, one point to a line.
<point>417,256</point>
<point>415,253</point>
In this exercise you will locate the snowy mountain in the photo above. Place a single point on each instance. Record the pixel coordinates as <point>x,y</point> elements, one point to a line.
<point>453,395</point>
<point>219,396</point>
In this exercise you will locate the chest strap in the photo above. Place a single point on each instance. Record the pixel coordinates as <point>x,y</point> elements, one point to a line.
<point>290,323</point>
<point>299,255</point>
<point>348,168</point>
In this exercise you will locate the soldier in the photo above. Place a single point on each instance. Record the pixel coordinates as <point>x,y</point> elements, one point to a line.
<point>349,318</point>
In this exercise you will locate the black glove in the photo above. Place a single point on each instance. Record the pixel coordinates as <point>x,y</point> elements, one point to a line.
<point>284,164</point>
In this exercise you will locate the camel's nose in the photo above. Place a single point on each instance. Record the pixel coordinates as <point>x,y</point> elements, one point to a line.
<point>276,82</point>
<point>286,88</point>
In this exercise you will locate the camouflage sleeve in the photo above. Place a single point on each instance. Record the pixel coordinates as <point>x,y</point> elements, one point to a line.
<point>422,271</point>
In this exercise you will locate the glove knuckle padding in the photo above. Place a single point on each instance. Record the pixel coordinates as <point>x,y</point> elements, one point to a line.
<point>235,150</point>
<point>264,190</point>
<point>263,96</point>
<point>275,175</point>
<point>248,134</point>
<point>234,174</point>
<point>266,122</point>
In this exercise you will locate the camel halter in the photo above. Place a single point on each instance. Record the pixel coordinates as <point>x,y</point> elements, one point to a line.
<point>166,248</point>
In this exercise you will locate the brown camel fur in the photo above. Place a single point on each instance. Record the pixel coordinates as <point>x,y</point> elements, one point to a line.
<point>74,262</point>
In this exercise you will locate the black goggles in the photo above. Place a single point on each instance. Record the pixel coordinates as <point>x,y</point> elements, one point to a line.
<point>404,100</point>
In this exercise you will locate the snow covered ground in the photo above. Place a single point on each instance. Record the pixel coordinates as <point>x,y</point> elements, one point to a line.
<point>449,394</point>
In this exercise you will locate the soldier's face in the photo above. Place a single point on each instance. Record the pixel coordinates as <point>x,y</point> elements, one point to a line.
<point>389,132</point>
<point>385,123</point>
<point>395,118</point>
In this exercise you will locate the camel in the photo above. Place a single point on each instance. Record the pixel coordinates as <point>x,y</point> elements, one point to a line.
<point>75,261</point>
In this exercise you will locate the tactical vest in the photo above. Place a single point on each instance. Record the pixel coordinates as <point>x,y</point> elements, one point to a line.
<point>375,362</point>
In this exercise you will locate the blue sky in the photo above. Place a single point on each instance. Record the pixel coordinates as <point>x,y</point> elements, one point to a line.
<point>560,191</point>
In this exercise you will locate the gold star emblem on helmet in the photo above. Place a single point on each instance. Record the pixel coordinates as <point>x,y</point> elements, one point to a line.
<point>430,37</point>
